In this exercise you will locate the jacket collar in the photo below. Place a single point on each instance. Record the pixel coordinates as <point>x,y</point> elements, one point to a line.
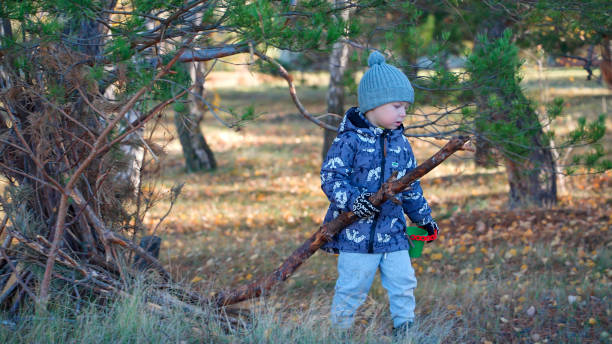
<point>356,120</point>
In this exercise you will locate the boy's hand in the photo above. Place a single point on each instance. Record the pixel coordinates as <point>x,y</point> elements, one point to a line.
<point>432,229</point>
<point>362,207</point>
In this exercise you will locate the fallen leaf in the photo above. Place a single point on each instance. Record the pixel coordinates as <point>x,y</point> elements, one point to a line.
<point>531,311</point>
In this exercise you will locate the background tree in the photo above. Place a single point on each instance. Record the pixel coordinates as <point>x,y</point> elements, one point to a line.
<point>486,100</point>
<point>338,60</point>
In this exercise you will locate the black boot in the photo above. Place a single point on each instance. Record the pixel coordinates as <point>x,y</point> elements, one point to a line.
<point>401,330</point>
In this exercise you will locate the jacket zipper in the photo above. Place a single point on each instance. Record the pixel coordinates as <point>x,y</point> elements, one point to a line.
<point>382,177</point>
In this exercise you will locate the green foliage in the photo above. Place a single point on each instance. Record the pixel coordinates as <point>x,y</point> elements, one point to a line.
<point>554,109</point>
<point>590,134</point>
<point>244,115</point>
<point>119,49</point>
<point>96,72</point>
<point>57,93</point>
<point>505,115</point>
<point>181,107</point>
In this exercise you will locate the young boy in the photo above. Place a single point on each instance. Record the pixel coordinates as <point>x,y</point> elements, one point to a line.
<point>370,146</point>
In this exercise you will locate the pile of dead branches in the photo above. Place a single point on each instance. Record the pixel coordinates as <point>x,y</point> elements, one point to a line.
<point>73,201</point>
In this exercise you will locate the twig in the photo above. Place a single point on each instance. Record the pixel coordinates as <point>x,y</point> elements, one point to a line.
<point>17,277</point>
<point>4,221</point>
<point>108,236</point>
<point>293,92</point>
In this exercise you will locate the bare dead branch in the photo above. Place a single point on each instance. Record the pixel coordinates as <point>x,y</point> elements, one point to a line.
<point>293,92</point>
<point>200,55</point>
<point>17,274</point>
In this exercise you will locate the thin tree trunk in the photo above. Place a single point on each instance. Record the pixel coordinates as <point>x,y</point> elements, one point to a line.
<point>606,62</point>
<point>128,168</point>
<point>327,231</point>
<point>198,155</point>
<point>338,60</point>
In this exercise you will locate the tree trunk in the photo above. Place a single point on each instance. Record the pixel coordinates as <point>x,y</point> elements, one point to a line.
<point>533,180</point>
<point>197,153</point>
<point>606,62</point>
<point>127,176</point>
<point>338,60</point>
<point>531,176</point>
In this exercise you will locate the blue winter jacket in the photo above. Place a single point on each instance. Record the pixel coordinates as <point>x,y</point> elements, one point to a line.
<point>360,159</point>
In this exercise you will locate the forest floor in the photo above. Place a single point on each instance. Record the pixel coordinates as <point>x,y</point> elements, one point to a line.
<point>494,275</point>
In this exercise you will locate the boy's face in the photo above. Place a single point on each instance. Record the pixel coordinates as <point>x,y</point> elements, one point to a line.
<point>388,116</point>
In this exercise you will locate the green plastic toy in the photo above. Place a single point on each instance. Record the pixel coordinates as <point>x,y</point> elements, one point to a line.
<point>415,235</point>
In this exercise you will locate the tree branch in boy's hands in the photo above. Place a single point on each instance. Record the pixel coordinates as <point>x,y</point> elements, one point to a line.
<point>468,146</point>
<point>327,231</point>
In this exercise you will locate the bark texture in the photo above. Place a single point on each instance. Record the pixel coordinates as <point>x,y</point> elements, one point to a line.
<point>606,62</point>
<point>338,60</point>
<point>198,155</point>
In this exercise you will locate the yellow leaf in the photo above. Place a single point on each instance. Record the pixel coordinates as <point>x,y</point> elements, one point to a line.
<point>249,276</point>
<point>216,99</point>
<point>196,279</point>
<point>436,256</point>
<point>522,299</point>
<point>477,270</point>
<point>524,267</point>
<point>592,321</point>
<point>511,253</point>
<point>472,249</point>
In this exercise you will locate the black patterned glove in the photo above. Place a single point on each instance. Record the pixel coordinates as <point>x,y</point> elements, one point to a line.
<point>362,207</point>
<point>432,230</point>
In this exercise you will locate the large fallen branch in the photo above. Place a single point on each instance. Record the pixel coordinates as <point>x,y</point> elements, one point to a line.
<point>327,231</point>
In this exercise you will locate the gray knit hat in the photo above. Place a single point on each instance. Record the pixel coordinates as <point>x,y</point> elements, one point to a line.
<point>382,84</point>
